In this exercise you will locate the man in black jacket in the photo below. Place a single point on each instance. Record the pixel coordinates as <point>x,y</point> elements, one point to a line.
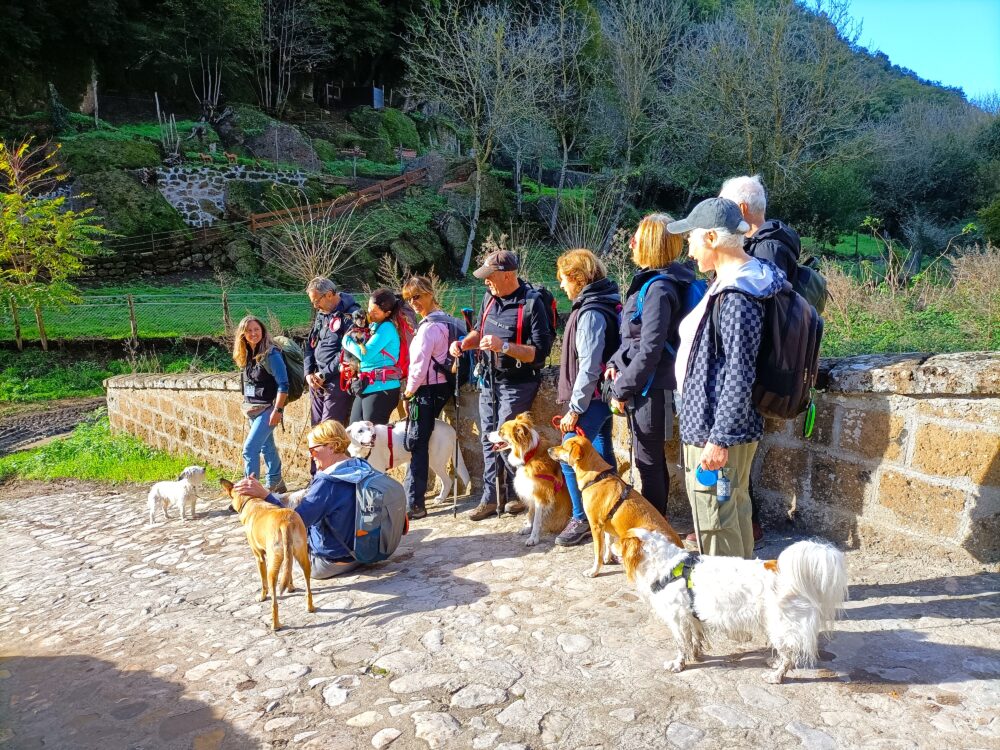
<point>514,340</point>
<point>768,239</point>
<point>322,351</point>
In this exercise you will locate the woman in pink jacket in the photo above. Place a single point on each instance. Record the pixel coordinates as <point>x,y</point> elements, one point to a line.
<point>427,389</point>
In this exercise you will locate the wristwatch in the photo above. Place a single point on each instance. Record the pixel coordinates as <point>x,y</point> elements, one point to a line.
<point>279,409</point>
<point>505,348</point>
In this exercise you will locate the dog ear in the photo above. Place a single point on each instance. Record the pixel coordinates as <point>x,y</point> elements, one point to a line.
<point>227,486</point>
<point>573,450</point>
<point>631,546</point>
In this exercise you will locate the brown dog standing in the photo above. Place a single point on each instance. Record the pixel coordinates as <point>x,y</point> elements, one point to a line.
<point>275,535</point>
<point>612,504</point>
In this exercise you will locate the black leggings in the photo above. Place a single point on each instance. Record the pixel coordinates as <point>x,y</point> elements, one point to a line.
<point>424,409</point>
<point>375,407</point>
<point>649,422</point>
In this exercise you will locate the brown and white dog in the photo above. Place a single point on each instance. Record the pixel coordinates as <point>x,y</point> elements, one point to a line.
<point>538,480</point>
<point>276,535</point>
<point>788,601</point>
<point>612,504</point>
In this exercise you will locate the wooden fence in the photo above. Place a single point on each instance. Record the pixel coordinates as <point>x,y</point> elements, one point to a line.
<point>344,203</point>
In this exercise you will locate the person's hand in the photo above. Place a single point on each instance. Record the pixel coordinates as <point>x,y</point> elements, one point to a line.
<point>455,349</point>
<point>491,343</point>
<point>406,405</point>
<point>315,380</point>
<point>568,422</point>
<point>275,419</point>
<point>618,406</point>
<point>611,374</point>
<point>714,457</point>
<point>250,486</point>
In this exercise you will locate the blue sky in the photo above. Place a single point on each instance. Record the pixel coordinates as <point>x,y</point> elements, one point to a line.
<point>954,42</point>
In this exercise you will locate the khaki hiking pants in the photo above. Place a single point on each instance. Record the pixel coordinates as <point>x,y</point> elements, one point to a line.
<point>725,528</point>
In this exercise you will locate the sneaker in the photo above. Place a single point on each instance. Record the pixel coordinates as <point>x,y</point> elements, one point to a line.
<point>513,507</point>
<point>692,537</point>
<point>483,510</point>
<point>416,513</point>
<point>576,532</point>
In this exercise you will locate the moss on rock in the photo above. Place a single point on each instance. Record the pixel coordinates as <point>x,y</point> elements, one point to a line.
<point>126,206</point>
<point>98,151</point>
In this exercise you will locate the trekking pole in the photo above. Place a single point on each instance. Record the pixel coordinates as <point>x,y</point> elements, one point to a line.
<point>456,368</point>
<point>501,465</point>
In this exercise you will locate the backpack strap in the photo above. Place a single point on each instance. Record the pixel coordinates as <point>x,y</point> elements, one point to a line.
<point>520,322</point>
<point>637,315</point>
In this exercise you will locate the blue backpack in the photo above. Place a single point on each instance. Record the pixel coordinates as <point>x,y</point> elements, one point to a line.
<point>692,296</point>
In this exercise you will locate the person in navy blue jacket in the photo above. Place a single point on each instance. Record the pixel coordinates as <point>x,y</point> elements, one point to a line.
<point>643,367</point>
<point>329,507</point>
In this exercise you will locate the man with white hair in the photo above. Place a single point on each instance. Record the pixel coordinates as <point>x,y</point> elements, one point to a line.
<point>716,368</point>
<point>768,239</point>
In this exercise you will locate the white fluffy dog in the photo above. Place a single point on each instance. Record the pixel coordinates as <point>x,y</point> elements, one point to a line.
<point>181,493</point>
<point>789,601</point>
<point>371,442</point>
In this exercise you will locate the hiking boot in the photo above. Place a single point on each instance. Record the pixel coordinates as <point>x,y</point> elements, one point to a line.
<point>577,531</point>
<point>416,514</point>
<point>483,510</point>
<point>513,507</point>
<point>279,487</point>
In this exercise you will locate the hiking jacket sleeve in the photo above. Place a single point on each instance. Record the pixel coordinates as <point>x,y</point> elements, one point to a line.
<point>276,364</point>
<point>741,319</point>
<point>658,310</point>
<point>778,253</point>
<point>591,328</point>
<point>538,334</point>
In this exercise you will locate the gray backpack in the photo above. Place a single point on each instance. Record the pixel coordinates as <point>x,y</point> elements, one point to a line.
<point>380,519</point>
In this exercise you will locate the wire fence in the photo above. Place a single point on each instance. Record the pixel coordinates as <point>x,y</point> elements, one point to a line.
<point>189,314</point>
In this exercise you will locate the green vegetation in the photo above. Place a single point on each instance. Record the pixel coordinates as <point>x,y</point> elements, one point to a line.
<point>31,376</point>
<point>93,452</point>
<point>99,151</point>
<point>127,207</point>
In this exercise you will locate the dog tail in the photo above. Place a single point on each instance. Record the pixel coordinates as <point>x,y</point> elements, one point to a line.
<point>285,582</point>
<point>817,572</point>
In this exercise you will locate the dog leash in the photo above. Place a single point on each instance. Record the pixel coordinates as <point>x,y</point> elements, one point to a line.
<point>556,420</point>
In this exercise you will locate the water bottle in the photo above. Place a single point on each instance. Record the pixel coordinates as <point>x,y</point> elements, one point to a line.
<point>723,488</point>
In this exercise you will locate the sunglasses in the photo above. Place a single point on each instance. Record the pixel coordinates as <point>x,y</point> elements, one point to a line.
<point>414,296</point>
<point>314,448</point>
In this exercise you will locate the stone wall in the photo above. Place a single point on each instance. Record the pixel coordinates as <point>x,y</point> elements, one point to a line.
<point>161,255</point>
<point>905,453</point>
<point>199,193</point>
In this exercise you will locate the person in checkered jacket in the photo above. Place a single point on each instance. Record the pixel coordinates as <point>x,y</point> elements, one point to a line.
<point>715,370</point>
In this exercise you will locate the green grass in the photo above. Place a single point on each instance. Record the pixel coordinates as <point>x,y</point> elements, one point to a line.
<point>366,168</point>
<point>92,452</point>
<point>34,376</point>
<point>850,246</point>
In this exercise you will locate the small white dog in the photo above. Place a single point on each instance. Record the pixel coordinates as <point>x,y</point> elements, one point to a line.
<point>371,442</point>
<point>789,601</point>
<point>181,493</point>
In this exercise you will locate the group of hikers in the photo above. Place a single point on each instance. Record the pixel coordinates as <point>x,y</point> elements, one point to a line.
<point>671,343</point>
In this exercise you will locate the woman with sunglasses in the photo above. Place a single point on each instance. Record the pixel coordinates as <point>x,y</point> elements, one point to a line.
<point>329,507</point>
<point>427,389</point>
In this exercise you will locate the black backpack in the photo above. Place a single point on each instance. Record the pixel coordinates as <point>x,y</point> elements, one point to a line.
<point>541,291</point>
<point>533,290</point>
<point>788,358</point>
<point>456,330</point>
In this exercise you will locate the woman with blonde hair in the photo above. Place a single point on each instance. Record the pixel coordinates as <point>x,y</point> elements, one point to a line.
<point>264,382</point>
<point>427,389</point>
<point>590,339</point>
<point>642,370</point>
<point>329,507</point>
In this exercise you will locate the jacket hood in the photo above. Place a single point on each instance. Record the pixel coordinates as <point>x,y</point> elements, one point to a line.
<point>758,278</point>
<point>772,229</point>
<point>603,291</point>
<point>679,271</point>
<point>352,470</point>
<point>347,301</point>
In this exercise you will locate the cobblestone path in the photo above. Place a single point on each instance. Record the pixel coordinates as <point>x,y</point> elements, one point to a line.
<point>117,634</point>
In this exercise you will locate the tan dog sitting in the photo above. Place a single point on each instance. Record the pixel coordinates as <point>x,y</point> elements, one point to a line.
<point>276,535</point>
<point>538,480</point>
<point>612,504</point>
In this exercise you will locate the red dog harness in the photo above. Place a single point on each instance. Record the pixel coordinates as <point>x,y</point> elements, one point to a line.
<point>557,484</point>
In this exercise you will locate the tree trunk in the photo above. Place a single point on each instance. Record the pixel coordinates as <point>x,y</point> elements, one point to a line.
<point>475,221</point>
<point>517,183</point>
<point>41,328</point>
<point>553,220</point>
<point>616,216</point>
<point>17,324</point>
<point>911,266</point>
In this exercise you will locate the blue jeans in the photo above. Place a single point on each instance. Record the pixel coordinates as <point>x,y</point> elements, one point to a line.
<point>596,425</point>
<point>259,440</point>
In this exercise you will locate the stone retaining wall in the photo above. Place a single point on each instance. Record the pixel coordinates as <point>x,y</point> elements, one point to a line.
<point>906,450</point>
<point>174,254</point>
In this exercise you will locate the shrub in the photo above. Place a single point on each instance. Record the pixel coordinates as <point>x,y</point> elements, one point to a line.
<point>252,122</point>
<point>989,219</point>
<point>99,151</point>
<point>367,121</point>
<point>325,150</point>
<point>128,207</point>
<point>401,129</point>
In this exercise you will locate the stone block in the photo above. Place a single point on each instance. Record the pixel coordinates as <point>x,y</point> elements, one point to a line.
<point>974,410</point>
<point>839,484</point>
<point>921,506</point>
<point>872,434</point>
<point>784,470</point>
<point>956,452</point>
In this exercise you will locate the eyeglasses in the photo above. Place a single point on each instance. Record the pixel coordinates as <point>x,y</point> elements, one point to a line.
<point>314,448</point>
<point>413,297</point>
